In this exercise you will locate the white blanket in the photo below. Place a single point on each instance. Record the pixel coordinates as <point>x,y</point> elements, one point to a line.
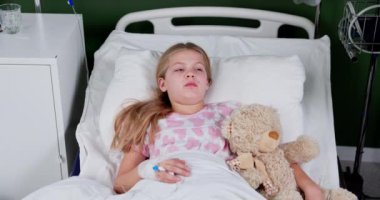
<point>210,179</point>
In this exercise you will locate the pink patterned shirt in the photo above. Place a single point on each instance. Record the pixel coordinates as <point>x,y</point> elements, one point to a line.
<point>200,131</point>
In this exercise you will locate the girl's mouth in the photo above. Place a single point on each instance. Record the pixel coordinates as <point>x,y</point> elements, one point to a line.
<point>191,84</point>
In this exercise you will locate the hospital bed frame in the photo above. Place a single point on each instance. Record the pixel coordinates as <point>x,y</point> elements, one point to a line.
<point>162,20</point>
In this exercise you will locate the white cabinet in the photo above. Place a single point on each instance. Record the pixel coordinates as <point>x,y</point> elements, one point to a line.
<point>42,83</point>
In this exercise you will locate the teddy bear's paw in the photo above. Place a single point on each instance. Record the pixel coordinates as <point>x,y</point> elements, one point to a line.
<point>309,146</point>
<point>252,177</point>
<point>339,194</point>
<point>234,164</point>
<point>269,188</point>
<point>288,195</point>
<point>302,150</point>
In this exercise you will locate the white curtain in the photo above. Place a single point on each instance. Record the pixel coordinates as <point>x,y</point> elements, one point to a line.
<point>308,2</point>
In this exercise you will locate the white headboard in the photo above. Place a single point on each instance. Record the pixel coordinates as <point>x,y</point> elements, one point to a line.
<point>269,21</point>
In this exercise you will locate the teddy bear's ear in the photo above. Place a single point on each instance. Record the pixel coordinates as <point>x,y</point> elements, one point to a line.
<point>227,127</point>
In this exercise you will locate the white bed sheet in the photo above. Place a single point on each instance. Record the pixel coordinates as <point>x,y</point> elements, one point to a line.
<point>100,164</point>
<point>210,178</point>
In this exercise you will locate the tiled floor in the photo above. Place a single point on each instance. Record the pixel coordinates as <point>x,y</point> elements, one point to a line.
<point>370,173</point>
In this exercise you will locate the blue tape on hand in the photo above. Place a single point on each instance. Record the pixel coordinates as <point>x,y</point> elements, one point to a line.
<point>156,168</point>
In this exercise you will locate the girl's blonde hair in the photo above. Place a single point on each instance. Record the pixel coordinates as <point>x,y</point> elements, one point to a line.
<point>133,121</point>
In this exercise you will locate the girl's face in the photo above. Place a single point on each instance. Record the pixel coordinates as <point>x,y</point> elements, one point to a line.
<point>186,78</point>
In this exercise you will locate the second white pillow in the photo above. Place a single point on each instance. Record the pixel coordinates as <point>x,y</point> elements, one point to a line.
<point>270,80</point>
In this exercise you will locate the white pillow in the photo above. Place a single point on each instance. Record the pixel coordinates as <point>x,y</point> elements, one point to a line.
<point>134,79</point>
<point>269,80</point>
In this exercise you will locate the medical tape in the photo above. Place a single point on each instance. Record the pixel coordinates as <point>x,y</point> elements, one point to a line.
<point>148,168</point>
<point>146,171</point>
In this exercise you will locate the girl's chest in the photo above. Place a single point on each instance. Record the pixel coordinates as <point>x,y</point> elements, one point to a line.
<point>179,131</point>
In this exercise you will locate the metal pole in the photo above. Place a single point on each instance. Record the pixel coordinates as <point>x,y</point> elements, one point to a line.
<point>316,20</point>
<point>37,5</point>
<point>363,130</point>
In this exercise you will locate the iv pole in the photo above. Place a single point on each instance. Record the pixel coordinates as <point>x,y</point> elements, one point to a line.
<point>355,183</point>
<point>37,5</point>
<point>364,39</point>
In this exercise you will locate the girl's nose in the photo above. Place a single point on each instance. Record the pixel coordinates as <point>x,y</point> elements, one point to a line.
<point>190,74</point>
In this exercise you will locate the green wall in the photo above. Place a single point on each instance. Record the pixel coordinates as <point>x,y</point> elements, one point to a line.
<point>348,79</point>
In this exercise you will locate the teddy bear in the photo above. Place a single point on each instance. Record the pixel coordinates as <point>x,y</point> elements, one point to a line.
<point>254,132</point>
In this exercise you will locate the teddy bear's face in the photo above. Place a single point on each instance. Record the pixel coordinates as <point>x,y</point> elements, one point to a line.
<point>252,129</point>
<point>242,138</point>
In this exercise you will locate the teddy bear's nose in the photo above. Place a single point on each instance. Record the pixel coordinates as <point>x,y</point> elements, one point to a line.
<point>274,135</point>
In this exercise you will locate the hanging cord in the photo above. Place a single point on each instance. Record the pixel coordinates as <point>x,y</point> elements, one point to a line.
<point>76,170</point>
<point>71,4</point>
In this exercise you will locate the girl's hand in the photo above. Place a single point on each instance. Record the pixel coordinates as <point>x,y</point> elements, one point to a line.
<point>173,169</point>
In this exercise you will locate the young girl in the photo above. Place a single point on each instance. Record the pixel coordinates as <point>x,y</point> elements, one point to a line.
<point>177,120</point>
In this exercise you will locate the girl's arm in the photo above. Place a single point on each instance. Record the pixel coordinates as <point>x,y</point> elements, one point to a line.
<point>127,176</point>
<point>306,184</point>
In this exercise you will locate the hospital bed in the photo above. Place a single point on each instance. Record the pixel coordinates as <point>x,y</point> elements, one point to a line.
<point>250,65</point>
